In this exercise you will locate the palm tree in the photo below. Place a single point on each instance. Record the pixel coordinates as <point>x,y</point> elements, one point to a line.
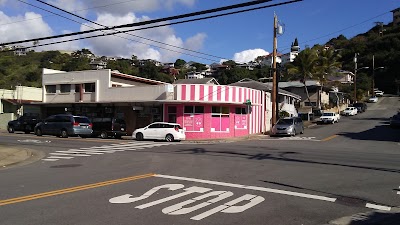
<point>304,67</point>
<point>328,64</point>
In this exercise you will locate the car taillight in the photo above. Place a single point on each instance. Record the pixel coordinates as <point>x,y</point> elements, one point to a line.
<point>90,125</point>
<point>75,124</point>
<point>176,128</point>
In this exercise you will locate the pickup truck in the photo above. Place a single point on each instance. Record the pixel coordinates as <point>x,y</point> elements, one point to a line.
<point>23,123</point>
<point>329,117</point>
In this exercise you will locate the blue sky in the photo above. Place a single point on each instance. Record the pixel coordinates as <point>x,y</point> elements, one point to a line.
<point>241,37</point>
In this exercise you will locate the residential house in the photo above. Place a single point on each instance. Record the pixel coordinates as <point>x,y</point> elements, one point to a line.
<point>267,60</point>
<point>396,17</point>
<point>142,62</point>
<point>98,64</point>
<point>17,102</point>
<point>20,50</point>
<point>194,75</point>
<point>343,77</point>
<point>287,101</point>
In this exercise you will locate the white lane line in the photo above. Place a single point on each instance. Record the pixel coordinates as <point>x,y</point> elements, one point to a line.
<point>271,190</point>
<point>60,157</point>
<point>72,154</point>
<point>378,207</point>
<point>398,191</point>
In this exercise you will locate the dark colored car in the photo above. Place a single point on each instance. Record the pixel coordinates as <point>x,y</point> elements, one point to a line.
<point>64,126</point>
<point>24,123</point>
<point>108,127</point>
<point>361,106</point>
<point>395,121</point>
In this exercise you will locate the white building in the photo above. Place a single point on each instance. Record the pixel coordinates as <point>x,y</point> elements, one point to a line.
<point>294,51</point>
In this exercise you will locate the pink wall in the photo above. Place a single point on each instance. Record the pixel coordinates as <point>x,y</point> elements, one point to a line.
<point>207,122</point>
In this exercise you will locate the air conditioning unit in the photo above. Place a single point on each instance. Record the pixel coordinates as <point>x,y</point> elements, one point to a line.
<point>155,111</point>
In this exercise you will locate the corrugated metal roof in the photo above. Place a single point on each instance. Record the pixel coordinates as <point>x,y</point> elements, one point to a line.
<point>262,87</point>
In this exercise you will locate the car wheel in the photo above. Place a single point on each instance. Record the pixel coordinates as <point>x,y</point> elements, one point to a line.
<point>103,135</point>
<point>64,134</point>
<point>139,137</point>
<point>169,138</point>
<point>38,132</point>
<point>302,131</point>
<point>333,121</point>
<point>27,129</point>
<point>10,129</point>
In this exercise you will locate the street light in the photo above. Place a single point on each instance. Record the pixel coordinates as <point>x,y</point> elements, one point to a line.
<point>373,73</point>
<point>355,75</point>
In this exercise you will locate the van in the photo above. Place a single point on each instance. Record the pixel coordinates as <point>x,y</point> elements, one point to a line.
<point>64,125</point>
<point>108,127</point>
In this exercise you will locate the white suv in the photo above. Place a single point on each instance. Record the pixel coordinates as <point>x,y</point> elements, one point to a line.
<point>160,131</point>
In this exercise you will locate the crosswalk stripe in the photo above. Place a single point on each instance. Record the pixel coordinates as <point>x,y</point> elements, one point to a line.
<point>60,157</point>
<point>99,151</point>
<point>71,154</point>
<point>78,152</point>
<point>52,160</point>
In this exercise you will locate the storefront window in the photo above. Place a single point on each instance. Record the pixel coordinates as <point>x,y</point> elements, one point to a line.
<point>50,89</point>
<point>220,119</point>
<point>171,114</point>
<point>193,118</point>
<point>65,88</point>
<point>90,87</point>
<point>240,118</point>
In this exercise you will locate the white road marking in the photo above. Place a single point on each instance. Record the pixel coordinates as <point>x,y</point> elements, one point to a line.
<point>378,207</point>
<point>290,139</point>
<point>236,205</point>
<point>60,157</point>
<point>112,148</point>
<point>270,190</point>
<point>50,160</point>
<point>71,154</point>
<point>398,191</point>
<point>33,141</point>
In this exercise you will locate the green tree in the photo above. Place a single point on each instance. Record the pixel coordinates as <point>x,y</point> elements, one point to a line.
<point>304,67</point>
<point>179,63</point>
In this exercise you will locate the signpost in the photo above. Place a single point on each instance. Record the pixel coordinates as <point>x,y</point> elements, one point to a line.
<point>248,103</point>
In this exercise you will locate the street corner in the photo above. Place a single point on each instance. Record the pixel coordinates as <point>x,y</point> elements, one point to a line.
<point>12,156</point>
<point>372,217</point>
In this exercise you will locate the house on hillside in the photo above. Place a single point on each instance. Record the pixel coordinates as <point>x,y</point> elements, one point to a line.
<point>343,76</point>
<point>287,101</point>
<point>396,17</point>
<point>98,64</point>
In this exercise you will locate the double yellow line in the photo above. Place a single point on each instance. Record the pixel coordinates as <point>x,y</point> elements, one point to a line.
<point>72,189</point>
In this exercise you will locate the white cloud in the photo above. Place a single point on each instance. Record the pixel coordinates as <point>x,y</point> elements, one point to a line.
<point>249,55</point>
<point>75,6</point>
<point>32,27</point>
<point>118,7</point>
<point>143,48</point>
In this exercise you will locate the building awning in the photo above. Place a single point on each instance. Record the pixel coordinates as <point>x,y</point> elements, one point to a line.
<point>19,101</point>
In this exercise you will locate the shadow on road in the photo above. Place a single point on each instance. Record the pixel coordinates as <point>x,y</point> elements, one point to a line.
<point>376,218</point>
<point>379,133</point>
<point>280,156</point>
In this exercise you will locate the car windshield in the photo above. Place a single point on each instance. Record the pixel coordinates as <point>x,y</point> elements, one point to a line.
<point>348,108</point>
<point>328,114</point>
<point>285,121</point>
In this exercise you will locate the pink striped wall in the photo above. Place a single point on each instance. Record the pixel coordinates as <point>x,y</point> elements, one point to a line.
<point>220,94</point>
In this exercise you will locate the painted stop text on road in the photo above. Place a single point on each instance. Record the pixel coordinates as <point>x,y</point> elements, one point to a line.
<point>205,197</point>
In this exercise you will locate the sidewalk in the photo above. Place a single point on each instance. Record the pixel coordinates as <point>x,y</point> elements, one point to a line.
<point>12,156</point>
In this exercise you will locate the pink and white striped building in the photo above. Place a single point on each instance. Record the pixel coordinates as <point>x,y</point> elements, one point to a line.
<point>217,111</point>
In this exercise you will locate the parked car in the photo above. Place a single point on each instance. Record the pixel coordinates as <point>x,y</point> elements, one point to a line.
<point>361,107</point>
<point>64,126</point>
<point>288,126</point>
<point>160,131</point>
<point>23,123</point>
<point>378,93</point>
<point>395,121</point>
<point>350,111</point>
<point>373,99</point>
<point>329,117</point>
<point>108,127</point>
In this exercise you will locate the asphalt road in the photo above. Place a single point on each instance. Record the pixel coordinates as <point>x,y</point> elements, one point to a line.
<point>330,172</point>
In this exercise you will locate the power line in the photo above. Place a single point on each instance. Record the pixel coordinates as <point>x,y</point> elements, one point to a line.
<point>241,5</point>
<point>95,7</point>
<point>179,22</point>
<point>137,36</point>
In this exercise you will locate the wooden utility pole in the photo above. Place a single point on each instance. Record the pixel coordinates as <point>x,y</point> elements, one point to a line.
<point>274,86</point>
